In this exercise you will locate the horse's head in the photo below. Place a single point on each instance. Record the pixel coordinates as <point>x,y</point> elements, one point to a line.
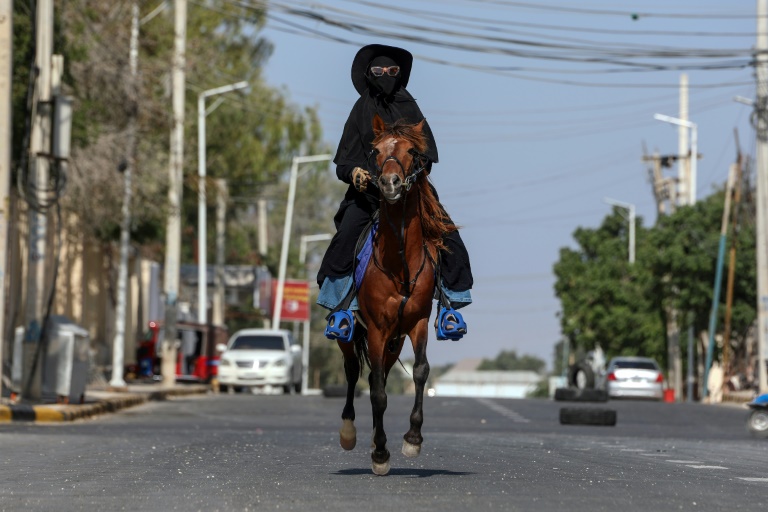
<point>399,157</point>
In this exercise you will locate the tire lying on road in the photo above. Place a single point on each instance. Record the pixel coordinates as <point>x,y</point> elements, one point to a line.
<point>580,395</point>
<point>587,416</point>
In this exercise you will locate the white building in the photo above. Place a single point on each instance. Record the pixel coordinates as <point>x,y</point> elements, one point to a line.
<point>464,380</point>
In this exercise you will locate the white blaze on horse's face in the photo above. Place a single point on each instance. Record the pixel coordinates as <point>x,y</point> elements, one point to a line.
<point>393,161</point>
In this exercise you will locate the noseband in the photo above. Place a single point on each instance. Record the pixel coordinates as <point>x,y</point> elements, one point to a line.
<point>418,166</point>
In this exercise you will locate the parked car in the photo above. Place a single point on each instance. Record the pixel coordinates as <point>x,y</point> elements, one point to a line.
<point>261,358</point>
<point>634,377</point>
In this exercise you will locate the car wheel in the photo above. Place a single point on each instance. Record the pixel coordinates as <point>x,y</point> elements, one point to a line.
<point>587,416</point>
<point>758,423</point>
<point>287,389</point>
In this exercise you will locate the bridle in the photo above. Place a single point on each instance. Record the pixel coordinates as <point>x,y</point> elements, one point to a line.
<point>418,166</point>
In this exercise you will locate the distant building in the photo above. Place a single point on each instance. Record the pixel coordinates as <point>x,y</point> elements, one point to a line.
<point>465,380</point>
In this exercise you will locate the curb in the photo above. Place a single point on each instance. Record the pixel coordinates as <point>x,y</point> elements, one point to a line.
<point>61,413</point>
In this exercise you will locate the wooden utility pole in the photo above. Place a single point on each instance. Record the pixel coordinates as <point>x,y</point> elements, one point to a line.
<point>6,76</point>
<point>176,177</point>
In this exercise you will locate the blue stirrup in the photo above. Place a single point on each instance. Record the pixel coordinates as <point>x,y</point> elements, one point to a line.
<point>450,324</point>
<point>341,326</point>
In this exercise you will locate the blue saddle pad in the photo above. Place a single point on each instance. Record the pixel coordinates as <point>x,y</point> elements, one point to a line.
<point>364,257</point>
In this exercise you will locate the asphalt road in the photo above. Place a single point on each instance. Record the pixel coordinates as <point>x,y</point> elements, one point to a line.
<point>249,452</point>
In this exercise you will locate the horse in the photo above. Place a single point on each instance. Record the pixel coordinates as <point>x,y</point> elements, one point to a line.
<point>396,294</point>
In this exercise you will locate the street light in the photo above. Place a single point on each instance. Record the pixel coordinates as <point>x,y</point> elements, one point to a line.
<point>694,151</point>
<point>202,264</point>
<point>305,354</point>
<point>631,209</point>
<point>287,231</point>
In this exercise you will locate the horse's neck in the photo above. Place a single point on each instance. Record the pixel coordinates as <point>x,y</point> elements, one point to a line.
<point>393,232</point>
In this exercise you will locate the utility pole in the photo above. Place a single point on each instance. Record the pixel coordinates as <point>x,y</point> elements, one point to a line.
<point>175,190</point>
<point>663,188</point>
<point>732,265</point>
<point>118,346</point>
<point>684,165</point>
<point>37,218</point>
<point>718,275</point>
<point>221,231</point>
<point>6,77</point>
<point>262,227</point>
<point>761,111</point>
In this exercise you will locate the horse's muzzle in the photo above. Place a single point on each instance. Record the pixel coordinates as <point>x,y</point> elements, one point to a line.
<point>391,187</point>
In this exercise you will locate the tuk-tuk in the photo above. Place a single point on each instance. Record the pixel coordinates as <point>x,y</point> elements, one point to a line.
<point>197,359</point>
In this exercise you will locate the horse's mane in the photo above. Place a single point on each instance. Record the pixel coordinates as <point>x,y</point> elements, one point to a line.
<point>434,220</point>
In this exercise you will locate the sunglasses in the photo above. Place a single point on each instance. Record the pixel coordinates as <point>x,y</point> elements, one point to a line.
<point>391,70</point>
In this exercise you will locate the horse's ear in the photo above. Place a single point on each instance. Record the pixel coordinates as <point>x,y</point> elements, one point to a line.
<point>420,126</point>
<point>378,124</point>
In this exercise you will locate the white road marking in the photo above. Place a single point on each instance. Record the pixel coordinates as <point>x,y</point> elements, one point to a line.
<point>507,413</point>
<point>655,454</point>
<point>706,467</point>
<point>685,461</point>
<point>752,479</point>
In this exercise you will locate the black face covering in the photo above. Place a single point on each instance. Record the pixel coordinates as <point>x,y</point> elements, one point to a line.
<point>383,84</point>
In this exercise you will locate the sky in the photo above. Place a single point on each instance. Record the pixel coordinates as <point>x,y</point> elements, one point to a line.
<point>541,110</point>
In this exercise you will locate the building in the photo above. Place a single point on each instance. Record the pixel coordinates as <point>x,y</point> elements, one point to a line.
<point>465,380</point>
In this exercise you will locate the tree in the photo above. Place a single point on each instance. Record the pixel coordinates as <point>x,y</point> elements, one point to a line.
<point>606,300</point>
<point>508,360</point>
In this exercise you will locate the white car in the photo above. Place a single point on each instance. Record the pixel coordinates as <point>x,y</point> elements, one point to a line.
<point>634,377</point>
<point>261,358</point>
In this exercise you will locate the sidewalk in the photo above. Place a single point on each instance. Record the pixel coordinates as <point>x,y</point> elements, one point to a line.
<point>98,401</point>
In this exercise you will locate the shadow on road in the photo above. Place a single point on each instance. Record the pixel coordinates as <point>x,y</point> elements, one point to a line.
<point>420,473</point>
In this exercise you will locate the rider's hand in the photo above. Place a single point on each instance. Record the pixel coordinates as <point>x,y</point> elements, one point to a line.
<point>360,179</point>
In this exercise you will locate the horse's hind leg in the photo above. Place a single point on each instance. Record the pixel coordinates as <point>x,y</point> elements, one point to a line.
<point>412,439</point>
<point>348,432</point>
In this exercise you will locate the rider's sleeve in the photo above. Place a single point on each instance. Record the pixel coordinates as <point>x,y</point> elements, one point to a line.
<point>344,172</point>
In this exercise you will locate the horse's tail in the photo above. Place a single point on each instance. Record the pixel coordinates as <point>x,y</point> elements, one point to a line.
<point>361,348</point>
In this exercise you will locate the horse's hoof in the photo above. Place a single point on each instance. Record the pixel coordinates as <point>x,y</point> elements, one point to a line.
<point>348,435</point>
<point>411,450</point>
<point>380,469</point>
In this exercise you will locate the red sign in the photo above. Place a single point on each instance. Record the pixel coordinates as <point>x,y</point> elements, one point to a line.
<point>295,300</point>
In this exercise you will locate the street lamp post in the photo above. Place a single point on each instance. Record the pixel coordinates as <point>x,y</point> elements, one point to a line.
<point>287,231</point>
<point>631,209</point>
<point>202,264</point>
<point>305,353</point>
<point>694,151</point>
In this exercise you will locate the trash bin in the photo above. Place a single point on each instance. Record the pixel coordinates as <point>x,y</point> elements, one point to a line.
<point>65,371</point>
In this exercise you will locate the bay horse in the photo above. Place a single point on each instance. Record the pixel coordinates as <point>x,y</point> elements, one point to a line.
<point>395,297</point>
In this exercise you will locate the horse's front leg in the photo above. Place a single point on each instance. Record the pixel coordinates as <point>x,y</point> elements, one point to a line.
<point>412,439</point>
<point>377,380</point>
<point>348,432</point>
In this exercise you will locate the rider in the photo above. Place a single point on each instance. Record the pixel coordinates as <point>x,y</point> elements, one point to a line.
<point>380,75</point>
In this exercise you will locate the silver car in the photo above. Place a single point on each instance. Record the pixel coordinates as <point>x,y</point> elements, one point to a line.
<point>261,358</point>
<point>634,377</point>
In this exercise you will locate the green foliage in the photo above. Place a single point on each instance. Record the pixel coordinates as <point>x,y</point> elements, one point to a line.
<point>623,306</point>
<point>508,360</point>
